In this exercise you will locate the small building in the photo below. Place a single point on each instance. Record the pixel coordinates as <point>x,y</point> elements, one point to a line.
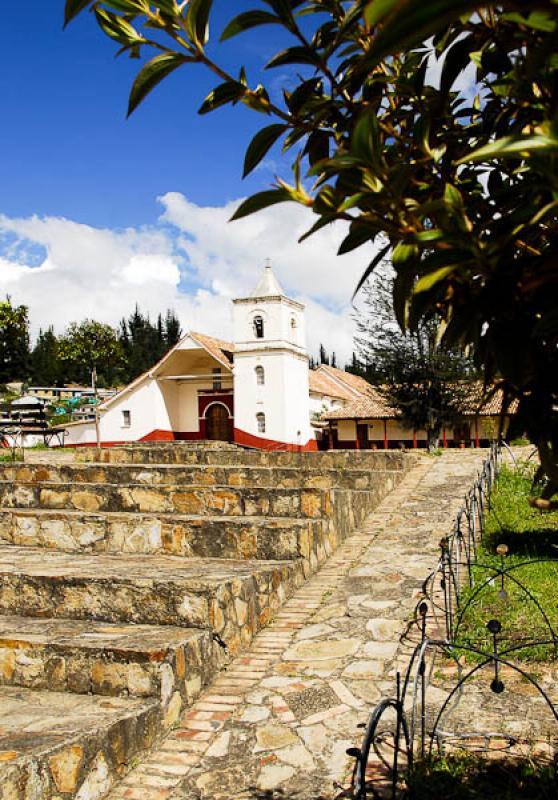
<point>367,421</point>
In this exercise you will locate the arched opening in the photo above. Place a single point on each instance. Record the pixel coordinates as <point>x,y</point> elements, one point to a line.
<point>258,324</point>
<point>260,419</point>
<point>217,424</point>
<point>260,375</point>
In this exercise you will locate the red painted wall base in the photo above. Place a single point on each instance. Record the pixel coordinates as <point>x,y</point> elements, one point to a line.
<point>249,440</point>
<point>240,437</point>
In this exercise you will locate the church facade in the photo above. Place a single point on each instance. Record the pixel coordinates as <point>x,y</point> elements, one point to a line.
<point>254,391</point>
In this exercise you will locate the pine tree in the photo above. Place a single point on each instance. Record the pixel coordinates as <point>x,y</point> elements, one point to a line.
<point>45,362</point>
<point>14,342</point>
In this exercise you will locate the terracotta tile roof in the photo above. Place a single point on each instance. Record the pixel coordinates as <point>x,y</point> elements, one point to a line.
<point>321,383</point>
<point>219,349</point>
<point>489,408</point>
<point>370,405</point>
<point>353,383</point>
<point>373,406</point>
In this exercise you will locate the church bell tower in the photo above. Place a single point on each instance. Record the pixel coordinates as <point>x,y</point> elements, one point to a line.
<point>271,395</point>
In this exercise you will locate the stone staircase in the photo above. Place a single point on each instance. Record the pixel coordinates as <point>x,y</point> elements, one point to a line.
<point>124,576</point>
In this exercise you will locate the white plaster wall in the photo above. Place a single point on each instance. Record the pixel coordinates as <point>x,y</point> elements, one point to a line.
<point>284,397</point>
<point>148,412</point>
<point>188,420</point>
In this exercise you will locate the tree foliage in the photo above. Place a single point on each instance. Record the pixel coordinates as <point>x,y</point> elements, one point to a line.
<point>429,385</point>
<point>14,341</point>
<point>143,343</point>
<point>90,345</point>
<point>45,362</point>
<point>463,188</point>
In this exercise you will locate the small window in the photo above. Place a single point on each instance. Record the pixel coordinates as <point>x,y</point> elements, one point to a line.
<point>258,327</point>
<point>261,422</point>
<point>217,378</point>
<point>260,376</point>
<point>126,419</point>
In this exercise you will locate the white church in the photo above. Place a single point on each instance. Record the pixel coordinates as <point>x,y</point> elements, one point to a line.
<point>257,391</point>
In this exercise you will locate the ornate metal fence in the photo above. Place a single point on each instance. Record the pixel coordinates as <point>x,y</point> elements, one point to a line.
<point>411,726</point>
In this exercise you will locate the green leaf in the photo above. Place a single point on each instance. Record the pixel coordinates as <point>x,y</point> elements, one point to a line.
<point>197,20</point>
<point>324,220</point>
<point>378,258</point>
<point>73,8</point>
<point>512,147</point>
<point>225,93</point>
<point>428,281</point>
<point>117,27</point>
<point>294,55</point>
<point>452,196</point>
<point>403,253</point>
<point>249,19</point>
<point>377,10</point>
<point>457,58</point>
<point>260,145</point>
<point>537,20</point>
<point>151,74</point>
<point>410,22</point>
<point>365,142</point>
<point>259,201</point>
<point>359,235</point>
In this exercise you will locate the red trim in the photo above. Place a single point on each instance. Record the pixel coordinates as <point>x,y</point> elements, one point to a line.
<point>241,437</point>
<point>385,435</point>
<point>414,440</point>
<point>158,436</point>
<point>444,438</point>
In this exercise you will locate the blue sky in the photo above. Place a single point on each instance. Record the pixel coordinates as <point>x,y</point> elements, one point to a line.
<point>98,212</point>
<point>65,138</point>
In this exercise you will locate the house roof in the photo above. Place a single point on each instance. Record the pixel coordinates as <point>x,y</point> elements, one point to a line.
<point>219,349</point>
<point>371,405</point>
<point>321,383</point>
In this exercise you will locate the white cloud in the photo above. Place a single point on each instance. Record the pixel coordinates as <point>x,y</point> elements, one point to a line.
<point>192,260</point>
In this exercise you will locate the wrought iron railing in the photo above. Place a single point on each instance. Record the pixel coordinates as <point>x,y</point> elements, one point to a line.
<point>409,726</point>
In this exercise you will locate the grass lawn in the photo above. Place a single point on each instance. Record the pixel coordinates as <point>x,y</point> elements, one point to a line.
<point>531,536</point>
<point>468,777</point>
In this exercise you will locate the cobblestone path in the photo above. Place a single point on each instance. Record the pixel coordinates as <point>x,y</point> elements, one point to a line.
<point>277,722</point>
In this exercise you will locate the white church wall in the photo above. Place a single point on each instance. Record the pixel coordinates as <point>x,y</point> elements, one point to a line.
<point>188,418</point>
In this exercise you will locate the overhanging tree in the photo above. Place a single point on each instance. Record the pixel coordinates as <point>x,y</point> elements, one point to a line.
<point>465,189</point>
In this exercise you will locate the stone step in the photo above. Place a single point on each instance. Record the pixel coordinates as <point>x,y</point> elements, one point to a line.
<point>175,453</point>
<point>62,745</point>
<point>230,598</point>
<point>168,663</point>
<point>275,538</point>
<point>239,476</point>
<point>167,499</point>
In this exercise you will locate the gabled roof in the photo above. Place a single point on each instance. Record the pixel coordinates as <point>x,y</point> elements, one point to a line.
<point>218,349</point>
<point>352,383</point>
<point>321,383</point>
